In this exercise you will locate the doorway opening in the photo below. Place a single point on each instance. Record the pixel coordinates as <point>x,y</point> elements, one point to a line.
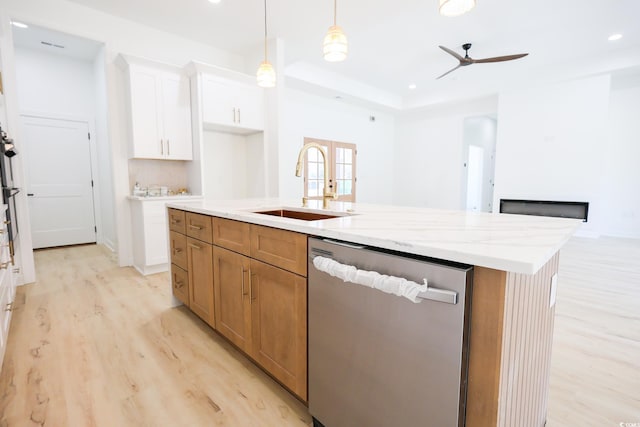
<point>479,153</point>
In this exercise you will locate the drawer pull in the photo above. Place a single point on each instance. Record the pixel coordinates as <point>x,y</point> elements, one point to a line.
<point>250,289</point>
<point>177,250</point>
<point>4,265</point>
<point>179,284</point>
<point>195,246</point>
<point>175,221</point>
<point>195,227</point>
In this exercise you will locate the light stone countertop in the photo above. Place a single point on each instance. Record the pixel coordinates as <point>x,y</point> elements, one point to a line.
<point>515,243</point>
<point>174,197</point>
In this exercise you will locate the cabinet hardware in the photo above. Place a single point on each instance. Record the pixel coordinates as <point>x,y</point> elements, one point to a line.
<point>179,284</point>
<point>168,148</point>
<point>4,265</point>
<point>177,250</point>
<point>2,230</point>
<point>243,272</point>
<point>175,221</point>
<point>250,288</point>
<point>239,120</point>
<point>9,307</point>
<point>234,115</point>
<point>195,227</point>
<point>195,246</point>
<point>162,147</point>
<point>7,222</point>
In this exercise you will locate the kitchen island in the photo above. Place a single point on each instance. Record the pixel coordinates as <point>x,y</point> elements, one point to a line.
<point>515,261</point>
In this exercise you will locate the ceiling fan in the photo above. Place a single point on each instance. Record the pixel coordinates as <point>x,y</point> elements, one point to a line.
<point>468,61</point>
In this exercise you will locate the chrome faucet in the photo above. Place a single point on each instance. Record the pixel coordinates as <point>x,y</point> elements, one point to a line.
<point>326,194</point>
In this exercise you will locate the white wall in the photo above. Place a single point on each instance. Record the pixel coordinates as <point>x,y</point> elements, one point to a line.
<point>429,154</point>
<point>107,229</point>
<point>621,173</point>
<point>224,165</point>
<point>313,116</point>
<point>551,143</point>
<point>49,83</point>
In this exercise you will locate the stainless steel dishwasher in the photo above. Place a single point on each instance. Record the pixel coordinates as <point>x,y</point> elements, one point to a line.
<point>377,359</point>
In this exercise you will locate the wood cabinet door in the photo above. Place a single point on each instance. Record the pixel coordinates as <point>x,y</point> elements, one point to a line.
<point>279,324</point>
<point>231,285</point>
<point>178,244</point>
<point>180,284</point>
<point>200,267</point>
<point>282,248</point>
<point>232,235</point>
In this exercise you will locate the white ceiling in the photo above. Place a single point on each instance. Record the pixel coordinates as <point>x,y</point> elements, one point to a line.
<point>395,43</point>
<point>55,42</point>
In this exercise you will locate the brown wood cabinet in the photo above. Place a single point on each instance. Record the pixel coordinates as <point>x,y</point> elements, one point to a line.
<point>232,297</point>
<point>199,227</point>
<point>282,248</point>
<point>250,285</point>
<point>279,324</point>
<point>177,221</point>
<point>178,247</point>
<point>180,284</point>
<point>233,235</point>
<point>200,268</point>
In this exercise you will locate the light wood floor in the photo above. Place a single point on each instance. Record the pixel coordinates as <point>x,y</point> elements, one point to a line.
<point>92,344</point>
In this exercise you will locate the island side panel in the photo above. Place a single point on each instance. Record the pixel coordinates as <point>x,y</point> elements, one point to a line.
<point>485,347</point>
<point>526,348</point>
<point>510,348</point>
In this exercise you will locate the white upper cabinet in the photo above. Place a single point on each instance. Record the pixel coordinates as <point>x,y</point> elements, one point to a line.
<point>231,106</point>
<point>160,112</point>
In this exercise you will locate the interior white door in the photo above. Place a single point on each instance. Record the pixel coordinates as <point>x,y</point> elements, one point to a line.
<point>57,157</point>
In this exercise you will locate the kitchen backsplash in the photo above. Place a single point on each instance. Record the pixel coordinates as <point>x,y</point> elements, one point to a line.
<point>167,173</point>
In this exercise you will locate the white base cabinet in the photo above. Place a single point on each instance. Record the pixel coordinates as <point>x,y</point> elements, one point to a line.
<point>149,231</point>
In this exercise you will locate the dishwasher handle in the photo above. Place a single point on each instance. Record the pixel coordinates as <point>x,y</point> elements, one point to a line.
<point>429,293</point>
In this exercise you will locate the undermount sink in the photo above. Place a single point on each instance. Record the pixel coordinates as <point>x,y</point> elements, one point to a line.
<point>303,215</point>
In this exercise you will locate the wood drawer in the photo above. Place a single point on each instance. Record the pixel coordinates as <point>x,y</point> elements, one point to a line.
<point>180,284</point>
<point>282,248</point>
<point>233,235</point>
<point>199,227</point>
<point>178,247</point>
<point>177,221</point>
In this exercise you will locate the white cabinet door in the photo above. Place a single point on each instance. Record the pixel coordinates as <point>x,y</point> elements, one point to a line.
<point>156,233</point>
<point>145,114</point>
<point>232,106</point>
<point>176,120</point>
<point>250,104</point>
<point>160,114</point>
<point>218,105</point>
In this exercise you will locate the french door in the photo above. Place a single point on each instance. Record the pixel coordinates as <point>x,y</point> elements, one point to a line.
<point>341,158</point>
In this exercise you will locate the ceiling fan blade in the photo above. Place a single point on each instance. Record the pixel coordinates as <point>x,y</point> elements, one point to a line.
<point>499,58</point>
<point>450,52</point>
<point>453,69</point>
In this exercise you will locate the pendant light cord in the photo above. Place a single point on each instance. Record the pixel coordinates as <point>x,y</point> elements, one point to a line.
<point>335,12</point>
<point>265,30</point>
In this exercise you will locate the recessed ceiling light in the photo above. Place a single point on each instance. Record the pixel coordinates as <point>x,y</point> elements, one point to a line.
<point>215,1</point>
<point>614,37</point>
<point>19,24</point>
<point>412,86</point>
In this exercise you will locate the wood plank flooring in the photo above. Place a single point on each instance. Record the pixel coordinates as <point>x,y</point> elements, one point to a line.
<point>92,344</point>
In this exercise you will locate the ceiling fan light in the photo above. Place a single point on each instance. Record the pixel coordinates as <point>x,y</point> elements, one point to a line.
<point>455,7</point>
<point>266,75</point>
<point>335,46</point>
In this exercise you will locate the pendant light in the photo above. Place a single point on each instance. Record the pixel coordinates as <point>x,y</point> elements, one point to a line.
<point>455,7</point>
<point>335,42</point>
<point>266,75</point>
